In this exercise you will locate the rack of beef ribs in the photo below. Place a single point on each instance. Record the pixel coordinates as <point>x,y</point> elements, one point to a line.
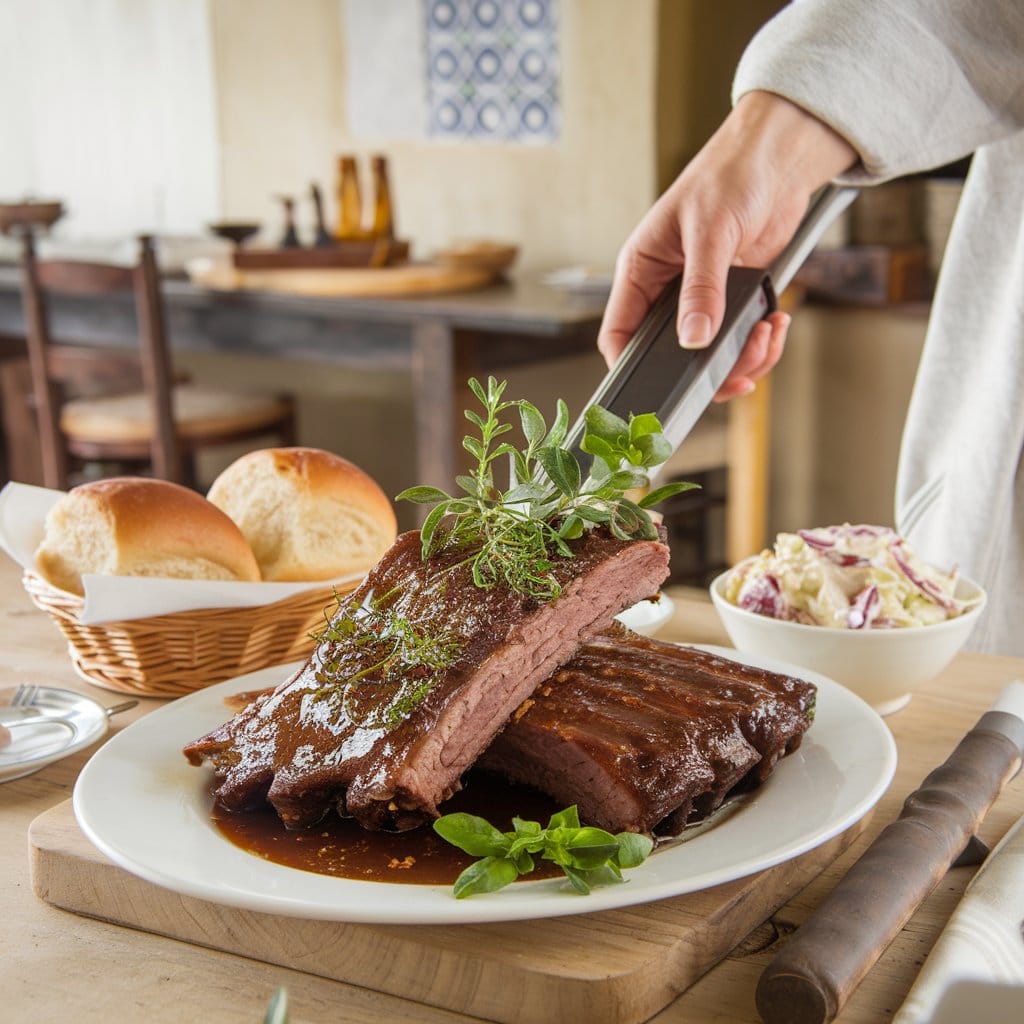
<point>646,736</point>
<point>316,743</point>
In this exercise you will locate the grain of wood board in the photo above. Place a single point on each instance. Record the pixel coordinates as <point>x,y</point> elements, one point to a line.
<point>612,967</point>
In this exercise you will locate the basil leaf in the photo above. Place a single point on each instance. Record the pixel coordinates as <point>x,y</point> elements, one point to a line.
<point>476,836</point>
<point>607,426</point>
<point>645,423</point>
<point>634,848</point>
<point>654,449</point>
<point>569,818</point>
<point>523,861</point>
<point>594,445</point>
<point>589,848</point>
<point>526,828</point>
<point>577,879</point>
<point>487,875</point>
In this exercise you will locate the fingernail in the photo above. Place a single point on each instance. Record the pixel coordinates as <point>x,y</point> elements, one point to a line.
<point>695,330</point>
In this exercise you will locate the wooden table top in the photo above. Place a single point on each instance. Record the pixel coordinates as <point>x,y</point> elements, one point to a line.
<point>521,304</point>
<point>57,966</point>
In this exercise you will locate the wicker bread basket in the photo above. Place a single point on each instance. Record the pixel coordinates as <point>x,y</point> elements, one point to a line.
<point>172,655</point>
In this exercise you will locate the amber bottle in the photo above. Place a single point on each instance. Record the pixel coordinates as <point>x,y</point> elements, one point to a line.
<point>383,208</point>
<point>350,204</point>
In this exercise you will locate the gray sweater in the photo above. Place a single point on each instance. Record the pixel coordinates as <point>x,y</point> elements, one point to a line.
<point>914,84</point>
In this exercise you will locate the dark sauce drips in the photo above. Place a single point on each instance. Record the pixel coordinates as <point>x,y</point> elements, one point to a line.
<point>343,848</point>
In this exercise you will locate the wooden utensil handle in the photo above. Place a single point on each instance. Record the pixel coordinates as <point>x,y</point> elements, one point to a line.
<point>813,975</point>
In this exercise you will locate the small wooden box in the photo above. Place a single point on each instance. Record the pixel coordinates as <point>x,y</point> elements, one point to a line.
<point>873,275</point>
<point>370,252</point>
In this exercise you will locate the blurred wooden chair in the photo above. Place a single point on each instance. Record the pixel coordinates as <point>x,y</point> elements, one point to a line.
<point>135,413</point>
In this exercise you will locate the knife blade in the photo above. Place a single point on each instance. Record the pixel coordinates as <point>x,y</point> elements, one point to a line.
<point>655,375</point>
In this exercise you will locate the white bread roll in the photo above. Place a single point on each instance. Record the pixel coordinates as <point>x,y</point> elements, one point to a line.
<point>308,514</point>
<point>135,526</point>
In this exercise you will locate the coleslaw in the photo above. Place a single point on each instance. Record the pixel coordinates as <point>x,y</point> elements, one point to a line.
<point>847,577</point>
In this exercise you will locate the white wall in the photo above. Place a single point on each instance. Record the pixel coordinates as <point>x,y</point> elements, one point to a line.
<point>163,115</point>
<point>109,105</point>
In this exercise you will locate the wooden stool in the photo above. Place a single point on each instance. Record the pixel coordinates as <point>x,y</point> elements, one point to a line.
<point>161,426</point>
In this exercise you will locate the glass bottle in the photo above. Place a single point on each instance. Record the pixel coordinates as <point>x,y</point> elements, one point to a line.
<point>350,204</point>
<point>383,210</point>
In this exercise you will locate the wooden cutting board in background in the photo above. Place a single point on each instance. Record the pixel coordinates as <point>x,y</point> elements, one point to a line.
<point>614,967</point>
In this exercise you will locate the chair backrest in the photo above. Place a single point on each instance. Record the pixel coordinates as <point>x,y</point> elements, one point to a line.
<point>42,278</point>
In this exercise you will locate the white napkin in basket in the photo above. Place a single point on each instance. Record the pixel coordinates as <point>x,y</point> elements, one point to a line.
<point>23,511</point>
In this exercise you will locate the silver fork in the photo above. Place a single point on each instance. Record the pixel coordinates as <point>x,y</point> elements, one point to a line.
<point>25,696</point>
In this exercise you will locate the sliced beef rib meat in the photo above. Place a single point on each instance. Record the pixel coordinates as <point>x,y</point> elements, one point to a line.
<point>387,746</point>
<point>644,736</point>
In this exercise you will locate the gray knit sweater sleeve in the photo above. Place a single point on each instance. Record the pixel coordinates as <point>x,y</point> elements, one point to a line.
<point>911,84</point>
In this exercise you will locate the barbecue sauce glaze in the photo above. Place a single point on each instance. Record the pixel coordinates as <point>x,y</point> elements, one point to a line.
<point>343,848</point>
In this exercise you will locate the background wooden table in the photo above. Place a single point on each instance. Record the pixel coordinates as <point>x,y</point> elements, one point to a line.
<point>439,341</point>
<point>56,966</point>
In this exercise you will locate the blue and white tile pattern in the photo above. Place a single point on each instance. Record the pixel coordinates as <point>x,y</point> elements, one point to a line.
<point>493,69</point>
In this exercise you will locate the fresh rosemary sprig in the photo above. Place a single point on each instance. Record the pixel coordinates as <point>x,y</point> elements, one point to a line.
<point>376,656</point>
<point>588,856</point>
<point>511,535</point>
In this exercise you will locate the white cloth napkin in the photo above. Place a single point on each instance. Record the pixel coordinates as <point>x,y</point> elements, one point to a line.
<point>980,953</point>
<point>23,511</point>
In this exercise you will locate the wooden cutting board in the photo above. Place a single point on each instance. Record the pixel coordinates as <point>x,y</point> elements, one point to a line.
<point>613,967</point>
<point>352,282</point>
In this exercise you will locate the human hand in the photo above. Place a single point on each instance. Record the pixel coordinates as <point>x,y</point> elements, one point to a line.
<point>738,202</point>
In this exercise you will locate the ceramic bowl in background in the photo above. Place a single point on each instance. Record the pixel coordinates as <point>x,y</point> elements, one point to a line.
<point>883,666</point>
<point>487,255</point>
<point>237,232</point>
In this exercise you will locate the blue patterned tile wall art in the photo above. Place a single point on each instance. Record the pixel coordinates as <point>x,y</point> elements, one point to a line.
<point>493,69</point>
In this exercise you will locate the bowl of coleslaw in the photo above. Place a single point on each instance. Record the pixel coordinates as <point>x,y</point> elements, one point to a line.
<point>854,603</point>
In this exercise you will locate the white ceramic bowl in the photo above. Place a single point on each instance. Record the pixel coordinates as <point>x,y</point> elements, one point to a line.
<point>883,666</point>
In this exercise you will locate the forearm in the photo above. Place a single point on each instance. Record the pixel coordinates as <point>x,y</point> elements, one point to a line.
<point>770,131</point>
<point>912,85</point>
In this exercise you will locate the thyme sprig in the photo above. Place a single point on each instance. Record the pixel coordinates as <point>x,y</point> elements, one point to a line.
<point>512,535</point>
<point>378,657</point>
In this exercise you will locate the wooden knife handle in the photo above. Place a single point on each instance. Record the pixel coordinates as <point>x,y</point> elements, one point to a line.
<point>813,975</point>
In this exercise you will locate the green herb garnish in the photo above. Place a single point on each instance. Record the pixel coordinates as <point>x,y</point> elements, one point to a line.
<point>377,666</point>
<point>277,1008</point>
<point>588,856</point>
<point>511,535</point>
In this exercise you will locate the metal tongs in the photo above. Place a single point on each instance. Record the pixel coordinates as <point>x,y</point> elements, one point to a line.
<point>655,375</point>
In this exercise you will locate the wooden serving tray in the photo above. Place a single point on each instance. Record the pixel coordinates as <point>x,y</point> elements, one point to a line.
<point>613,967</point>
<point>353,282</point>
